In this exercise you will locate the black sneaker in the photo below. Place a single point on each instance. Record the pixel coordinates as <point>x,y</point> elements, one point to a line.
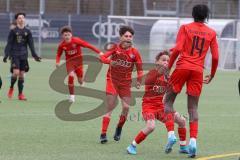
<point>103,138</point>
<point>117,134</point>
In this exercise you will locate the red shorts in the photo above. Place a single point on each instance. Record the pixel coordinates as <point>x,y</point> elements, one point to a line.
<point>118,89</point>
<point>75,66</point>
<point>193,80</point>
<point>152,111</point>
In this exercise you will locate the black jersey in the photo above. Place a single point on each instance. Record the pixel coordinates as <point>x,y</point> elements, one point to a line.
<point>18,40</point>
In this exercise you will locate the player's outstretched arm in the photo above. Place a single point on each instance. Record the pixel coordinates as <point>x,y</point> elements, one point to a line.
<point>32,48</point>
<point>87,45</point>
<point>105,57</point>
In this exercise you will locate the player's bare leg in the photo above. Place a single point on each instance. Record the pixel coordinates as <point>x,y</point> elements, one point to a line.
<point>123,117</point>
<point>193,123</point>
<point>168,101</point>
<point>149,128</point>
<point>111,104</point>
<point>182,131</point>
<point>13,81</point>
<point>20,86</point>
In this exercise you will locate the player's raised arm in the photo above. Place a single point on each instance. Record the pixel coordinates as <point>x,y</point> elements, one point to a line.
<point>8,47</point>
<point>31,46</point>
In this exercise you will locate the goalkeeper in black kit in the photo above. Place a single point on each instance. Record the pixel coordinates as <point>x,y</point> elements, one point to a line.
<point>16,50</point>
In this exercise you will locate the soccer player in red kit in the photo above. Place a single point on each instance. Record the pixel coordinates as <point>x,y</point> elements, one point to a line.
<point>122,59</point>
<point>152,106</point>
<point>72,48</point>
<point>193,41</point>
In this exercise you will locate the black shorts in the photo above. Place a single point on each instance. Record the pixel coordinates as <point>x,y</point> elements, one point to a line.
<point>18,63</point>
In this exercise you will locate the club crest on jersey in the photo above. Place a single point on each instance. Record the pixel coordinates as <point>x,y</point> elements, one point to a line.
<point>132,56</point>
<point>159,89</point>
<point>25,33</point>
<point>74,45</point>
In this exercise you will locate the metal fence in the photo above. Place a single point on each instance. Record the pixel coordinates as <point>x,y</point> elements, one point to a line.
<point>179,8</point>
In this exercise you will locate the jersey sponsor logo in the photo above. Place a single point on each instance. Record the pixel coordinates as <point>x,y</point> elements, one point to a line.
<point>159,89</point>
<point>121,59</point>
<point>19,39</point>
<point>123,63</point>
<point>72,52</point>
<point>25,33</point>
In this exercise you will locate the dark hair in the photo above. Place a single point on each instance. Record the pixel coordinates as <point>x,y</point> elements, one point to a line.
<point>160,54</point>
<point>125,29</point>
<point>66,29</point>
<point>18,14</point>
<point>200,13</point>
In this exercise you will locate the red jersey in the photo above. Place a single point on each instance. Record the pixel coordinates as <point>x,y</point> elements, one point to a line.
<point>73,49</point>
<point>125,61</point>
<point>193,42</point>
<point>155,88</point>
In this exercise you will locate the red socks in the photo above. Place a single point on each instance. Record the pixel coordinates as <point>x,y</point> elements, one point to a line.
<point>169,122</point>
<point>105,123</point>
<point>71,85</point>
<point>140,137</point>
<point>182,136</point>
<point>193,129</point>
<point>121,121</point>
